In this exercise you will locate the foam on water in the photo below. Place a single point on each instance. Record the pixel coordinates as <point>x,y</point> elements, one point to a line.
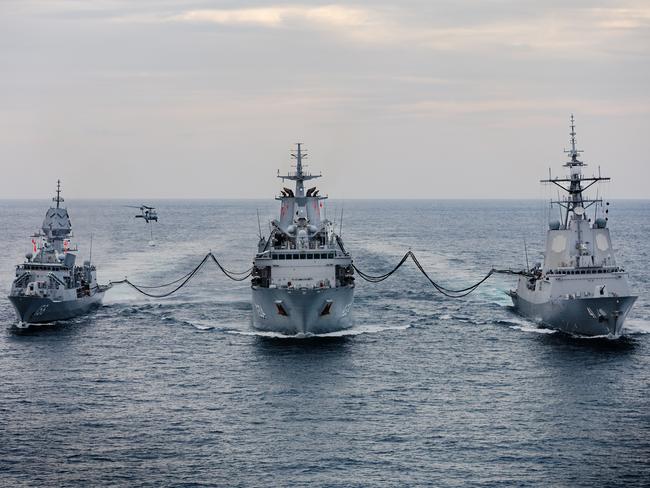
<point>636,326</point>
<point>612,337</point>
<point>353,331</point>
<point>529,328</point>
<point>497,296</point>
<point>199,326</point>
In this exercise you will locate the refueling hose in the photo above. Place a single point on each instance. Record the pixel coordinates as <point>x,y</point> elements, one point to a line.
<point>243,275</point>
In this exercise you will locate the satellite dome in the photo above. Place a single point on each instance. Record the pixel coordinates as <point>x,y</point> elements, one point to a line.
<point>600,223</point>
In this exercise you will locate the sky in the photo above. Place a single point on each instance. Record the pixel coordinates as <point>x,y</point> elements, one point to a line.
<point>409,99</point>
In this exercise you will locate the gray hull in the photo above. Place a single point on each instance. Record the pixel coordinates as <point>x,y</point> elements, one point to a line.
<point>34,310</point>
<point>598,316</point>
<point>295,311</point>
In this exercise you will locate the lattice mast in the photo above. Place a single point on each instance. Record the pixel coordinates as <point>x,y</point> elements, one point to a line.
<point>575,204</point>
<point>58,199</point>
<point>299,176</point>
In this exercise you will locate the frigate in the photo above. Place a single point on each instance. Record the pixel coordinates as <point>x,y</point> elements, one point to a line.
<point>579,289</point>
<point>48,285</point>
<point>303,280</point>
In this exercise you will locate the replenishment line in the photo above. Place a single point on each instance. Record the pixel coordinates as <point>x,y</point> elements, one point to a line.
<point>243,275</point>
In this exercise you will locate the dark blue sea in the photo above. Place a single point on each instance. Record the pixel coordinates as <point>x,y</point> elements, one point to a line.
<point>423,391</point>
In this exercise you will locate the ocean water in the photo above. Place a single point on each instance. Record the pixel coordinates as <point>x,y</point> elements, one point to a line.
<point>423,391</point>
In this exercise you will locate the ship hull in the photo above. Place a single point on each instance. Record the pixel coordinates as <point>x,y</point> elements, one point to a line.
<point>35,310</point>
<point>595,316</point>
<point>302,311</point>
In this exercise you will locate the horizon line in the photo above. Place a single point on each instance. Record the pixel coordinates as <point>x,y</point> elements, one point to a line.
<point>342,198</point>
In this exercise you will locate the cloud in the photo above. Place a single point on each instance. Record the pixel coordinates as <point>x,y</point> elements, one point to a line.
<point>556,31</point>
<point>621,27</point>
<point>622,18</point>
<point>443,108</point>
<point>336,16</point>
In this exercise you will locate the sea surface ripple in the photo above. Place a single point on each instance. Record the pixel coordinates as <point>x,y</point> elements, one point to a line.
<point>423,391</point>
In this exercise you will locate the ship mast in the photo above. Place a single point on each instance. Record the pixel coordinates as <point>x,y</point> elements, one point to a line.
<point>299,176</point>
<point>58,198</point>
<point>575,204</point>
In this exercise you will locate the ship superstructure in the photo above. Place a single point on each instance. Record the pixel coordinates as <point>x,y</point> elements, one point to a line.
<point>303,279</point>
<point>580,289</point>
<point>48,285</point>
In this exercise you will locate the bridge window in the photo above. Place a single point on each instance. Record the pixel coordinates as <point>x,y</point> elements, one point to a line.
<point>281,256</point>
<point>310,256</point>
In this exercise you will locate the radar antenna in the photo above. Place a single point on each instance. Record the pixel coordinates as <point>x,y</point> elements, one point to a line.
<point>299,176</point>
<point>299,156</point>
<point>575,204</point>
<point>573,152</point>
<point>58,199</point>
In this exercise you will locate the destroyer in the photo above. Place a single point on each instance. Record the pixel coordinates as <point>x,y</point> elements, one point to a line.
<point>579,289</point>
<point>303,279</point>
<point>48,285</point>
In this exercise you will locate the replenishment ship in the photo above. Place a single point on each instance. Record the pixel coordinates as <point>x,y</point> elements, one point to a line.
<point>303,280</point>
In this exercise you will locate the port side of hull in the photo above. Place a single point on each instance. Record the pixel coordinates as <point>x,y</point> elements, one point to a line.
<point>302,311</point>
<point>594,316</point>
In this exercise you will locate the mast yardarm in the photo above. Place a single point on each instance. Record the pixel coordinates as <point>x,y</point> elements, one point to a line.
<point>299,176</point>
<point>575,204</point>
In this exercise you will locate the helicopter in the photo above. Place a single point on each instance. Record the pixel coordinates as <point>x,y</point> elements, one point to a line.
<point>148,214</point>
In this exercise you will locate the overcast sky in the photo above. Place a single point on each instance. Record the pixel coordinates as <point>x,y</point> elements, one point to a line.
<point>421,99</point>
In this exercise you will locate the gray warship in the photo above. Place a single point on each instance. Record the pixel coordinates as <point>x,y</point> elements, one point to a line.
<point>303,280</point>
<point>579,289</point>
<point>48,286</point>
